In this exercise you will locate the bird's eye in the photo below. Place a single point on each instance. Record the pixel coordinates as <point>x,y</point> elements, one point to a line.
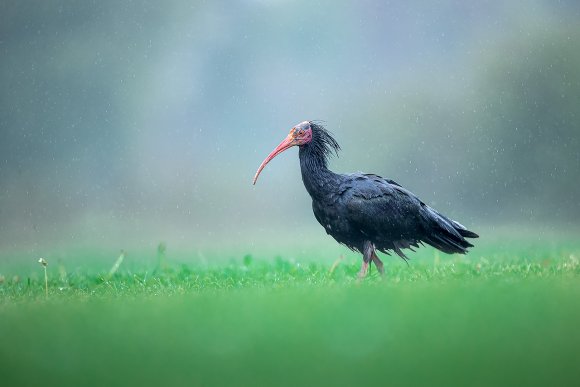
<point>300,132</point>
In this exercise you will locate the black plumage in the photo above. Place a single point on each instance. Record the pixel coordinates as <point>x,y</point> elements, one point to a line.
<point>365,211</point>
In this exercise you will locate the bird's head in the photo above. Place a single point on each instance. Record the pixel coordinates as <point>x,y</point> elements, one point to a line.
<point>299,135</point>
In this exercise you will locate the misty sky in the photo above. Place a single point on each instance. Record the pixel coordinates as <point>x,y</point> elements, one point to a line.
<point>130,123</point>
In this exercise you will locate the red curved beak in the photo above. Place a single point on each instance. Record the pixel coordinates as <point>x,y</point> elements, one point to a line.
<point>287,143</point>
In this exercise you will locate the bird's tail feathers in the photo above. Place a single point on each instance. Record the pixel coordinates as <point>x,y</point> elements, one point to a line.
<point>447,235</point>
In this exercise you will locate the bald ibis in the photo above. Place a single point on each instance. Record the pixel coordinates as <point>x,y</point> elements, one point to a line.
<point>364,211</point>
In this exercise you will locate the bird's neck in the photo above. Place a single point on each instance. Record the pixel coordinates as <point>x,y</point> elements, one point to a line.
<point>317,178</point>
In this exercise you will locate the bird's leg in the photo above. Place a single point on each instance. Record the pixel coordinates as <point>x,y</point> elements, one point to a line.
<point>368,251</point>
<point>378,263</point>
<point>364,270</point>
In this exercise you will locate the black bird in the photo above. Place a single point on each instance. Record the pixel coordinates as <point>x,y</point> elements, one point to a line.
<point>365,211</point>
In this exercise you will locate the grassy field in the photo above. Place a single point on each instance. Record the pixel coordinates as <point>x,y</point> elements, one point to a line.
<point>499,316</point>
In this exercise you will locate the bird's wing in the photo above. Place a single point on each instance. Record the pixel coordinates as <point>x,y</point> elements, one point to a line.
<point>372,200</point>
<point>394,218</point>
<point>377,177</point>
<point>381,209</point>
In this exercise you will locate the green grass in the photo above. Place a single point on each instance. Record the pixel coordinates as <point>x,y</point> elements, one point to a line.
<point>499,316</point>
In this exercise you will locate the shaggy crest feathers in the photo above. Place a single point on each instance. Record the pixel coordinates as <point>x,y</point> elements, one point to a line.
<point>323,144</point>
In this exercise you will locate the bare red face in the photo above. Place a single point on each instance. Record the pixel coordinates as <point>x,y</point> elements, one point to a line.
<point>299,135</point>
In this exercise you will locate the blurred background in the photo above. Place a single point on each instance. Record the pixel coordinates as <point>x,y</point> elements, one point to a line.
<point>124,124</point>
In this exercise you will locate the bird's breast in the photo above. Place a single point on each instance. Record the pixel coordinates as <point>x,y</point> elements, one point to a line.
<point>334,219</point>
